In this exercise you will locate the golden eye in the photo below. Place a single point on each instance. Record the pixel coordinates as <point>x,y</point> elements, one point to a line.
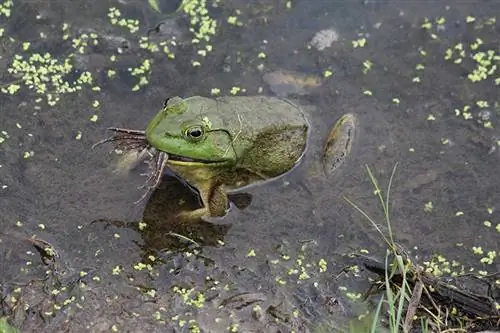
<point>195,132</point>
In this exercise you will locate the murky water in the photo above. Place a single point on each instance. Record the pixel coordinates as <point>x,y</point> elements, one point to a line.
<point>70,196</point>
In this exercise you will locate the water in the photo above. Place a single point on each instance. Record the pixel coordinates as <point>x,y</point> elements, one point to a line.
<point>69,196</point>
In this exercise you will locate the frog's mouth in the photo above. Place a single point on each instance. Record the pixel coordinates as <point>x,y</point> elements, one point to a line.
<point>183,160</point>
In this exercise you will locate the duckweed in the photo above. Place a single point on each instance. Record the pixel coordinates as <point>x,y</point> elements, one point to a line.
<point>323,265</point>
<point>233,327</point>
<point>233,20</point>
<point>202,25</point>
<point>427,24</point>
<point>198,300</point>
<point>117,270</point>
<point>6,8</point>
<point>235,90</point>
<point>367,66</point>
<point>115,18</point>
<point>143,71</point>
<point>361,42</point>
<point>470,19</point>
<point>485,61</point>
<point>489,259</point>
<point>46,76</point>
<point>439,266</point>
<point>28,154</point>
<point>477,250</point>
<point>82,42</point>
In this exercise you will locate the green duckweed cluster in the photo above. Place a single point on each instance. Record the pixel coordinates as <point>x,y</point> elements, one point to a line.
<point>164,46</point>
<point>45,75</point>
<point>49,77</point>
<point>203,26</point>
<point>297,268</point>
<point>486,62</point>
<point>115,18</point>
<point>6,8</point>
<point>82,42</point>
<point>143,71</point>
<point>478,56</point>
<point>481,60</point>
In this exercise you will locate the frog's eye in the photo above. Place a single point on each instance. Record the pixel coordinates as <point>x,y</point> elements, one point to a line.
<point>195,132</point>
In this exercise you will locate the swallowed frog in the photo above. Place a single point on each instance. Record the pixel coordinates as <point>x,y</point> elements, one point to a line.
<point>219,145</point>
<point>226,144</point>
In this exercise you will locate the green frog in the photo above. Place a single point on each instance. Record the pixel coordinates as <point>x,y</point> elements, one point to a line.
<point>219,145</point>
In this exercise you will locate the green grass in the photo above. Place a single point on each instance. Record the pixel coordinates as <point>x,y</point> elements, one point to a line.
<point>398,304</point>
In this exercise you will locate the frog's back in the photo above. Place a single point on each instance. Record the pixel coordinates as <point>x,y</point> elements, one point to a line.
<point>260,112</point>
<point>270,134</point>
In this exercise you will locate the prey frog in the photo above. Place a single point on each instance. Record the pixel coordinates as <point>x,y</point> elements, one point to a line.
<point>220,145</point>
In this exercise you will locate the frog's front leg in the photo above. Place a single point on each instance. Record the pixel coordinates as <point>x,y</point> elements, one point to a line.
<point>215,204</point>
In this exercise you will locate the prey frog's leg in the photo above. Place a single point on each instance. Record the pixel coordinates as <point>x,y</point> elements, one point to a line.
<point>215,202</point>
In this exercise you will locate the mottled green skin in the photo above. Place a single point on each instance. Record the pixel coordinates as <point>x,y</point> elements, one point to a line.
<point>246,140</point>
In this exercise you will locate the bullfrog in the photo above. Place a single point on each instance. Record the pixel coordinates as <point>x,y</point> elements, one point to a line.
<point>220,145</point>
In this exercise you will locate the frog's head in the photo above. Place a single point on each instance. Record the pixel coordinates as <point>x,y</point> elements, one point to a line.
<point>186,129</point>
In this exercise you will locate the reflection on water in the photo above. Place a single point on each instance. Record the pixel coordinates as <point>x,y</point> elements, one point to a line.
<point>161,230</point>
